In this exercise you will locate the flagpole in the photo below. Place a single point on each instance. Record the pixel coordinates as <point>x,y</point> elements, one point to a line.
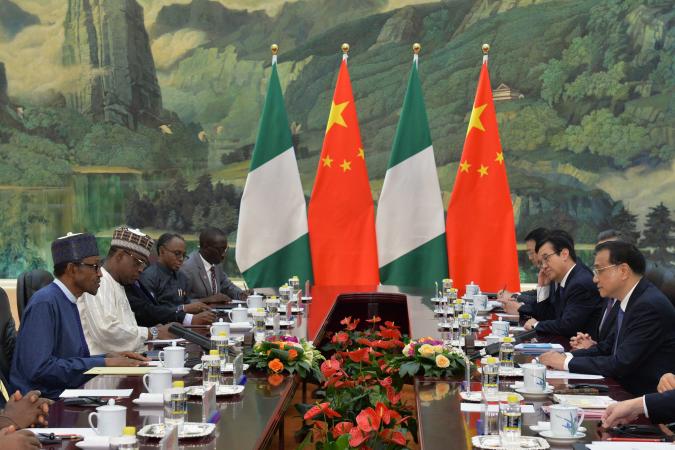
<point>486,50</point>
<point>416,50</point>
<point>275,50</point>
<point>345,51</point>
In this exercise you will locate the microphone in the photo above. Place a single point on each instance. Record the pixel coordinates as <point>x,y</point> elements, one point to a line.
<point>191,336</point>
<point>493,349</point>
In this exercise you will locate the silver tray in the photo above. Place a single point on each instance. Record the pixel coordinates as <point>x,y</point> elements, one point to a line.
<point>189,430</point>
<point>493,442</point>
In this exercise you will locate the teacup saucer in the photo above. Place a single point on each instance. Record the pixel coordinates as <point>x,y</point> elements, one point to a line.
<point>179,371</point>
<point>546,426</point>
<point>528,393</point>
<point>561,440</point>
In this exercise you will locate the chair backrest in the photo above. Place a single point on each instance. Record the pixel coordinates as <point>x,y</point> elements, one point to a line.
<point>663,278</point>
<point>28,284</point>
<point>7,334</point>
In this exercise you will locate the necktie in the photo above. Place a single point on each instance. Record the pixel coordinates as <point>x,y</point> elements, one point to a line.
<point>608,308</point>
<point>212,271</point>
<point>3,391</point>
<point>619,320</point>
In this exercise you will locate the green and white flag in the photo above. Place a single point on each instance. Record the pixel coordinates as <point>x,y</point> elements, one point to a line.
<point>272,238</point>
<point>410,223</point>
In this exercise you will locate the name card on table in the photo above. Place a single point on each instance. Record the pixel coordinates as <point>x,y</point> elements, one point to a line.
<point>170,439</point>
<point>238,368</point>
<point>209,404</point>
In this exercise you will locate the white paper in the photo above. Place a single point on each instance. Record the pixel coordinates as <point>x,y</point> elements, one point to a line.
<point>504,316</point>
<point>69,393</point>
<point>477,407</point>
<point>517,328</point>
<point>603,445</point>
<point>165,341</point>
<point>572,376</point>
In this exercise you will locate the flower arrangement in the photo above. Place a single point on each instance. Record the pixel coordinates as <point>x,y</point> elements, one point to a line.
<point>429,357</point>
<point>277,354</point>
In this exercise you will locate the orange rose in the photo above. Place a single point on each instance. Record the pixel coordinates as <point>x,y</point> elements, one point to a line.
<point>275,365</point>
<point>292,354</point>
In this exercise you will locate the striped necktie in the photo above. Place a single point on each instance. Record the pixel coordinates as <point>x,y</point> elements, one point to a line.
<point>3,391</point>
<point>214,288</point>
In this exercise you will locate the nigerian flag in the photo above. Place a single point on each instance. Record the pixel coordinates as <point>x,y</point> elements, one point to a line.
<point>272,239</point>
<point>410,224</point>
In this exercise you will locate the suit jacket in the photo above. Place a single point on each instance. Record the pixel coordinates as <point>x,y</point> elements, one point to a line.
<point>578,308</point>
<point>661,407</point>
<point>148,311</point>
<point>646,344</point>
<point>607,329</point>
<point>7,335</point>
<point>199,281</point>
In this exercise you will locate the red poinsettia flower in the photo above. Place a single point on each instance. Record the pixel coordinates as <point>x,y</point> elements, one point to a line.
<point>321,408</point>
<point>374,320</point>
<point>364,341</point>
<point>329,367</point>
<point>360,355</point>
<point>349,325</point>
<point>389,333</point>
<point>368,420</point>
<point>393,436</point>
<point>342,428</point>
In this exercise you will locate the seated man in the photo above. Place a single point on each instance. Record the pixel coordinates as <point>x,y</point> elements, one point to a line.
<point>531,240</point>
<point>51,353</point>
<point>657,407</point>
<point>643,346</point>
<point>24,411</point>
<point>567,300</point>
<point>108,322</point>
<point>168,284</point>
<point>208,282</point>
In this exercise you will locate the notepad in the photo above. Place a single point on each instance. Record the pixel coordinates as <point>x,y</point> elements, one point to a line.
<point>119,370</point>
<point>70,393</point>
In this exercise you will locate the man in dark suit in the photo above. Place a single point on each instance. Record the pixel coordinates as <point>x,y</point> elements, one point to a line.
<point>659,407</point>
<point>567,300</point>
<point>509,299</point>
<point>208,282</point>
<point>643,347</point>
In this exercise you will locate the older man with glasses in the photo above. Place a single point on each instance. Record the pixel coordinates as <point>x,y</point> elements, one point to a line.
<point>51,351</point>
<point>108,321</point>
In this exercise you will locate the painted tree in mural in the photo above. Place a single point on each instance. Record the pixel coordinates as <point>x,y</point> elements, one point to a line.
<point>658,234</point>
<point>626,224</point>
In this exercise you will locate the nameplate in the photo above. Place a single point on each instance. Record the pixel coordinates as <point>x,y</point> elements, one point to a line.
<point>209,404</point>
<point>170,439</point>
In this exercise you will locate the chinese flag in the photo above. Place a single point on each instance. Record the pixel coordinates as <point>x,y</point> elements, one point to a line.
<point>480,229</point>
<point>341,214</point>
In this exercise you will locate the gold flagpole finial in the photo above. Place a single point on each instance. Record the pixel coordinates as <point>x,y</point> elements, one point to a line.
<point>416,48</point>
<point>274,48</point>
<point>485,48</point>
<point>345,48</point>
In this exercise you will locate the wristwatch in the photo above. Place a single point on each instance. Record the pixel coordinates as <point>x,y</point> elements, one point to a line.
<point>154,332</point>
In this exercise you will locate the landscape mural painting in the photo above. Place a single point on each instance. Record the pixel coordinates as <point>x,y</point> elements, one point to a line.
<point>144,112</point>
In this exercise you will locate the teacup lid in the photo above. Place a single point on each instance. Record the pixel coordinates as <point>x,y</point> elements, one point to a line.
<point>174,348</point>
<point>111,406</point>
<point>240,308</point>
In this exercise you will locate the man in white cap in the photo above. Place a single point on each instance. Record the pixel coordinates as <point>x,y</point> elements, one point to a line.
<point>51,353</point>
<point>108,321</point>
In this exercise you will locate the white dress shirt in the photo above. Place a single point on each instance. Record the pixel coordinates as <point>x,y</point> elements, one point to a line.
<point>108,322</point>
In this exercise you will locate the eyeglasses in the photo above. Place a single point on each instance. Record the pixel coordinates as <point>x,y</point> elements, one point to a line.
<point>96,267</point>
<point>177,253</point>
<point>597,270</point>
<point>544,258</point>
<point>138,262</point>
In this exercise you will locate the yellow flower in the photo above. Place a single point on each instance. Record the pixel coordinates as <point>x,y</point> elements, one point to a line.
<point>427,351</point>
<point>426,396</point>
<point>438,348</point>
<point>442,389</point>
<point>442,361</point>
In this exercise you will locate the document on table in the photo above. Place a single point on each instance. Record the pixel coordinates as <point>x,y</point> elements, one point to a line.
<point>69,393</point>
<point>572,376</point>
<point>119,370</point>
<point>603,445</point>
<point>476,407</point>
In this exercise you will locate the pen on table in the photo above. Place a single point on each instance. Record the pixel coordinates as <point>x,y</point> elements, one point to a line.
<point>215,417</point>
<point>630,439</point>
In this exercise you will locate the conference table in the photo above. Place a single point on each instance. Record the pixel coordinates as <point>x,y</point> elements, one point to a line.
<point>255,418</point>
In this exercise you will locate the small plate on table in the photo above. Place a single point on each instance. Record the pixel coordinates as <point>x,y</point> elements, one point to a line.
<point>548,435</point>
<point>222,391</point>
<point>546,426</point>
<point>147,399</point>
<point>189,430</point>
<point>534,394</point>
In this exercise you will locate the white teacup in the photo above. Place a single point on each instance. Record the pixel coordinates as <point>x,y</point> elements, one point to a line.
<point>480,301</point>
<point>157,380</point>
<point>534,377</point>
<point>472,289</point>
<point>500,328</point>
<point>220,327</point>
<point>110,419</point>
<point>255,301</point>
<point>566,420</point>
<point>238,314</point>
<point>172,357</point>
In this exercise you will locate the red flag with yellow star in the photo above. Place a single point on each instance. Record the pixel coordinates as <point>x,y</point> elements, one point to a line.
<point>341,214</point>
<point>480,229</point>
